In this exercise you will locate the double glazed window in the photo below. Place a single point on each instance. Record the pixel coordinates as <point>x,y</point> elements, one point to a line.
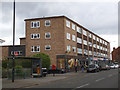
<point>35,49</point>
<point>74,49</point>
<point>73,26</point>
<point>35,36</point>
<point>90,35</point>
<point>47,23</point>
<point>79,30</point>
<point>85,42</point>
<point>68,48</point>
<point>73,37</point>
<point>79,40</point>
<point>35,24</point>
<point>68,36</point>
<point>84,32</point>
<point>47,47</point>
<point>94,37</point>
<point>90,52</point>
<point>79,50</point>
<point>47,36</point>
<point>68,23</point>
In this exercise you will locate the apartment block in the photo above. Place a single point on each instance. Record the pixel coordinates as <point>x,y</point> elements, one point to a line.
<point>62,39</point>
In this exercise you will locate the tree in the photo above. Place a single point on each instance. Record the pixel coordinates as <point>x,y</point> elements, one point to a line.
<point>45,59</point>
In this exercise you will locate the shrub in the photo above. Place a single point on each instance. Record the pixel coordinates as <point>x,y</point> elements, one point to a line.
<point>45,59</point>
<point>18,69</point>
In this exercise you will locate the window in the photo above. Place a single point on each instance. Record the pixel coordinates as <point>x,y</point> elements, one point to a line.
<point>85,42</point>
<point>35,24</point>
<point>73,26</point>
<point>79,50</point>
<point>47,36</point>
<point>68,48</point>
<point>90,44</point>
<point>85,52</point>
<point>68,23</point>
<point>84,32</point>
<point>35,36</point>
<point>47,23</point>
<point>79,40</point>
<point>94,45</point>
<point>79,30</point>
<point>68,36</point>
<point>101,47</point>
<point>105,43</point>
<point>35,49</point>
<point>90,52</point>
<point>98,39</point>
<point>73,37</point>
<point>74,49</point>
<point>95,54</point>
<point>97,46</point>
<point>94,37</point>
<point>89,35</point>
<point>47,47</point>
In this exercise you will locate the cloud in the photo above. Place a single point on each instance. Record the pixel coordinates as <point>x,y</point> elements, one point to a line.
<point>100,18</point>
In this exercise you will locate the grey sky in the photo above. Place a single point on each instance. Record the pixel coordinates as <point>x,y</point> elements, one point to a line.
<point>99,17</point>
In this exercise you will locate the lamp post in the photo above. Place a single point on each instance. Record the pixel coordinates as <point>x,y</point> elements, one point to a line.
<point>13,40</point>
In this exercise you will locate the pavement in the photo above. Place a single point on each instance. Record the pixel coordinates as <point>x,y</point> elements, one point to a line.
<point>24,83</point>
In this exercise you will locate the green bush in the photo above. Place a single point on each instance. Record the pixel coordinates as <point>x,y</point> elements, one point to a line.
<point>45,59</point>
<point>4,73</point>
<point>18,69</point>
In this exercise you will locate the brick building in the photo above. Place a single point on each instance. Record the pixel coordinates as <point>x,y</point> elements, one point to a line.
<point>116,54</point>
<point>57,35</point>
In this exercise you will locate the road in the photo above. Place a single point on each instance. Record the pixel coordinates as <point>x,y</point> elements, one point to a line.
<point>102,79</point>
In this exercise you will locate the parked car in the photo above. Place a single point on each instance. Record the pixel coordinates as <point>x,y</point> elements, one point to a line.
<point>104,66</point>
<point>112,66</point>
<point>116,65</point>
<point>93,68</point>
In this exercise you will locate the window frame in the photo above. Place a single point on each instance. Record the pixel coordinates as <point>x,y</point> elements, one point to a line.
<point>33,24</point>
<point>67,23</point>
<point>47,33</point>
<point>73,26</point>
<point>49,22</point>
<point>47,49</point>
<point>73,38</point>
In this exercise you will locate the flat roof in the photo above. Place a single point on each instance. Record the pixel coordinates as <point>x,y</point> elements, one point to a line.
<point>10,45</point>
<point>70,20</point>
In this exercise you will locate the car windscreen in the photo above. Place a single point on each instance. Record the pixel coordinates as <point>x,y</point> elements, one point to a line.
<point>91,66</point>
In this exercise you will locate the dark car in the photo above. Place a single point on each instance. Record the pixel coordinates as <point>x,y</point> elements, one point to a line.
<point>93,68</point>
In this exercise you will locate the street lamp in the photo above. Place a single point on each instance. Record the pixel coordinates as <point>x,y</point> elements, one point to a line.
<point>13,40</point>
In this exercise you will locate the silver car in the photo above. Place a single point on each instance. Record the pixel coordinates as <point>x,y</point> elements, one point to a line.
<point>93,68</point>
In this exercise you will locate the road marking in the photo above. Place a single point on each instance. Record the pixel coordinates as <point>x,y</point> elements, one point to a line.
<point>110,75</point>
<point>83,85</point>
<point>99,79</point>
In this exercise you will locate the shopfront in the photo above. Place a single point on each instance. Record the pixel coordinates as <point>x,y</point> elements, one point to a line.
<point>68,62</point>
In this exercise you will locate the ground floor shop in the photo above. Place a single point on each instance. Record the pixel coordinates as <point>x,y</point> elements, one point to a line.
<point>68,62</point>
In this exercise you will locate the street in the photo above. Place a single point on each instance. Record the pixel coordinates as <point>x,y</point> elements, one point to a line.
<point>103,79</point>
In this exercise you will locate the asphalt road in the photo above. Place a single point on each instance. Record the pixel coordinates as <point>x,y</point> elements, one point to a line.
<point>102,79</point>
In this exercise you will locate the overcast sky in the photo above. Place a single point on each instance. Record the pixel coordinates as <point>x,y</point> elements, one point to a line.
<point>99,17</point>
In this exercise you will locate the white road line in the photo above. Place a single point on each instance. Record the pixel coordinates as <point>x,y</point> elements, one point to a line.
<point>99,79</point>
<point>110,75</point>
<point>83,85</point>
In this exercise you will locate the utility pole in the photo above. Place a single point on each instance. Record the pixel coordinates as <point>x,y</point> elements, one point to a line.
<point>13,40</point>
